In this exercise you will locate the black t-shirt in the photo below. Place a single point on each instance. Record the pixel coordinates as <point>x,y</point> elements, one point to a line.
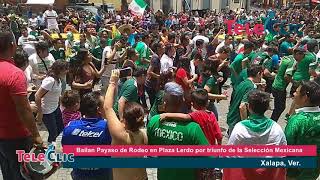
<point>191,25</point>
<point>155,63</point>
<point>180,51</point>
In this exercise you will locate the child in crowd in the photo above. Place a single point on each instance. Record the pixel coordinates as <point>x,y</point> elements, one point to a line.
<point>206,119</point>
<point>71,103</point>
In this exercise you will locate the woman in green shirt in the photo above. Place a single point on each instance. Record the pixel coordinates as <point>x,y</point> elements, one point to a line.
<point>210,81</point>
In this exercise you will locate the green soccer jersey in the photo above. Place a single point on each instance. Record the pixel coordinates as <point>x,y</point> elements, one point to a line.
<point>236,66</point>
<point>175,133</point>
<point>314,64</point>
<point>34,33</point>
<point>285,68</point>
<point>129,91</point>
<point>302,70</point>
<point>303,128</point>
<point>259,57</point>
<point>266,62</point>
<point>240,95</point>
<point>97,52</point>
<point>158,101</point>
<point>212,83</point>
<point>204,79</point>
<point>58,54</point>
<point>144,53</point>
<point>270,37</point>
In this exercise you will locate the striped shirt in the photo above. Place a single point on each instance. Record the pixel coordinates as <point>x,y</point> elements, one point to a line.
<point>68,116</point>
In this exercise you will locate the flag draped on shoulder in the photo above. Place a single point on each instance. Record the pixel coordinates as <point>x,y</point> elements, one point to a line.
<point>137,7</point>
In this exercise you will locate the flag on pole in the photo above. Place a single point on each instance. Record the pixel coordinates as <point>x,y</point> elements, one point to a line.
<point>137,7</point>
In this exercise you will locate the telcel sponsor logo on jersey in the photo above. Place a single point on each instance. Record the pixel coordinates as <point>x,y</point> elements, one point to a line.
<point>83,133</point>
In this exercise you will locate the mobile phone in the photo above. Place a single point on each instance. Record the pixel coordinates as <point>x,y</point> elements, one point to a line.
<point>125,72</point>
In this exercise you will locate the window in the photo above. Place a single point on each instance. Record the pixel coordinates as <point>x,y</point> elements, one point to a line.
<point>236,1</point>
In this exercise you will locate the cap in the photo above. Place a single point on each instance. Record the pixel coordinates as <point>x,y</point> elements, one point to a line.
<point>173,88</point>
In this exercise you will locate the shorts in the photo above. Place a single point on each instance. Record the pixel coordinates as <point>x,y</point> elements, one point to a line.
<point>54,27</point>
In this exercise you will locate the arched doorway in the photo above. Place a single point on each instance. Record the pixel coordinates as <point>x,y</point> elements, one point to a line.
<point>166,6</point>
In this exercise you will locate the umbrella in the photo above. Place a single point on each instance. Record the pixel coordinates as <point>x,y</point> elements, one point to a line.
<point>205,39</point>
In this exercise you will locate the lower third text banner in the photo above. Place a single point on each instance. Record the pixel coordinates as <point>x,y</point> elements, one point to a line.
<point>187,150</point>
<point>199,162</point>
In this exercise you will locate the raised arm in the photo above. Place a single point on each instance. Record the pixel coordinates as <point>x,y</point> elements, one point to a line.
<point>116,128</point>
<point>176,116</point>
<point>215,96</point>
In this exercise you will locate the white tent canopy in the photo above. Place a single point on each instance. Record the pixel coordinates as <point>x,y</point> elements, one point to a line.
<point>42,2</point>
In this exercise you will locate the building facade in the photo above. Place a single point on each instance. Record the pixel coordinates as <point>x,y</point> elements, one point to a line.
<point>180,5</point>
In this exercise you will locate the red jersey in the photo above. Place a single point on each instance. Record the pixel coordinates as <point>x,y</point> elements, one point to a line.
<point>12,83</point>
<point>208,124</point>
<point>180,75</point>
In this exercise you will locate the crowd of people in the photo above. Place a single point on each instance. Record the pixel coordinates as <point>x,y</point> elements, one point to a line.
<point>119,79</point>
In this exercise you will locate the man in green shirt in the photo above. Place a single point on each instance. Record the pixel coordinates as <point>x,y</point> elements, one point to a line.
<point>237,108</point>
<point>286,47</point>
<point>282,80</point>
<point>175,133</point>
<point>303,128</point>
<point>58,51</point>
<point>129,91</point>
<point>143,49</point>
<point>313,48</point>
<point>265,59</point>
<point>97,53</point>
<point>302,73</point>
<point>236,65</point>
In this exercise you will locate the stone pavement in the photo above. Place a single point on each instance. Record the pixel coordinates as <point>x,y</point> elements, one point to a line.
<point>223,106</point>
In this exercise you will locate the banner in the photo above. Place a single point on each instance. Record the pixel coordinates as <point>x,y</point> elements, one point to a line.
<point>105,162</point>
<point>187,150</point>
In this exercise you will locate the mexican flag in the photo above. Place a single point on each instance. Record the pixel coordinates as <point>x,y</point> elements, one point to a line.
<point>137,7</point>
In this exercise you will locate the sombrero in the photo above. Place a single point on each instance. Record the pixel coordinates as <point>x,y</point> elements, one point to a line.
<point>126,28</point>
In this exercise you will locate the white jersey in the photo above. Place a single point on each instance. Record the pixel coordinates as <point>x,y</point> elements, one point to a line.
<point>51,17</point>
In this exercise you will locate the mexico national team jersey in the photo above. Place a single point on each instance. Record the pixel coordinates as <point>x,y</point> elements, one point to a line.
<point>90,131</point>
<point>239,96</point>
<point>175,133</point>
<point>303,128</point>
<point>285,69</point>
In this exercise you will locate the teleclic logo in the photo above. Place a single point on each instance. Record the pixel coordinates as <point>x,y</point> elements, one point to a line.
<point>49,155</point>
<point>238,29</point>
<point>258,29</point>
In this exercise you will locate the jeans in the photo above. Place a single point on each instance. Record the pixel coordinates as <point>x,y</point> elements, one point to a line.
<point>152,94</point>
<point>10,166</point>
<point>280,98</point>
<point>212,107</point>
<point>269,82</point>
<point>54,124</point>
<point>142,96</point>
